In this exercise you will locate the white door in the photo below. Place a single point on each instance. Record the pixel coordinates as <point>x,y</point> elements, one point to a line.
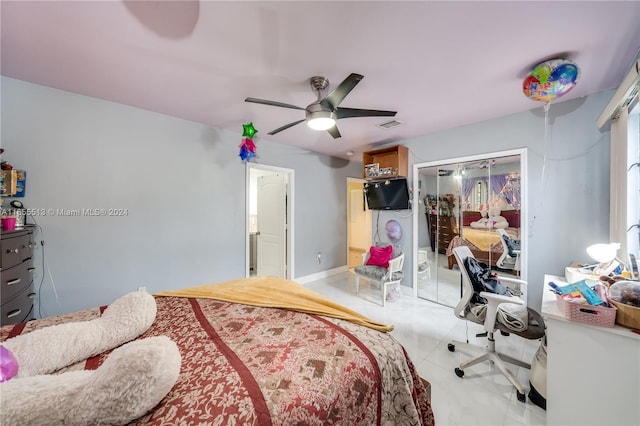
<point>272,226</point>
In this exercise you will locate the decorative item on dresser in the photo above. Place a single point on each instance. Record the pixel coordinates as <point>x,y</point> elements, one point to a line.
<point>17,268</point>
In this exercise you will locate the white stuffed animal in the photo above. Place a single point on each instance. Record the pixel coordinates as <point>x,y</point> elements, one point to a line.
<point>493,221</point>
<point>132,380</point>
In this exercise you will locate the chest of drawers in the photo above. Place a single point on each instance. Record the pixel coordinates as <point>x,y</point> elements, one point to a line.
<point>17,271</point>
<point>442,229</point>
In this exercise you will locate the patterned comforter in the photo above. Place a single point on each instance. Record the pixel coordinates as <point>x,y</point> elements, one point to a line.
<point>249,365</point>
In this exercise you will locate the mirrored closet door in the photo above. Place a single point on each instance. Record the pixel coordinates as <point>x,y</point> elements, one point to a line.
<point>472,201</point>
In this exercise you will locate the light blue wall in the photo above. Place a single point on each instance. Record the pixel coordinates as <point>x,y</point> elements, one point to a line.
<point>182,184</point>
<point>571,211</point>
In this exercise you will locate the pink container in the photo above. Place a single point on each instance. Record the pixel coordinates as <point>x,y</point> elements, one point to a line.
<point>8,223</point>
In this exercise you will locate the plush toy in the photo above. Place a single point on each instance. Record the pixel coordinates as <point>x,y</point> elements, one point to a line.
<point>132,380</point>
<point>493,221</point>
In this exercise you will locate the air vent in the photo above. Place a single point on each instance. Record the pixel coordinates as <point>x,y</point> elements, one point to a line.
<point>389,124</point>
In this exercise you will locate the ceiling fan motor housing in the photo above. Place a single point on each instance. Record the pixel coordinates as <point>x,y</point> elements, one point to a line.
<point>319,83</point>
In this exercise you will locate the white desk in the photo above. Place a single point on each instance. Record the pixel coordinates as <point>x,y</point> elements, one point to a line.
<point>593,373</point>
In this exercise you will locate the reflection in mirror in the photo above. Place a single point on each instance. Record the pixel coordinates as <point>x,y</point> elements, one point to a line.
<point>476,202</point>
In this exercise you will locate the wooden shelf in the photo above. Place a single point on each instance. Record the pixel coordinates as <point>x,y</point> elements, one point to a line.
<point>395,157</point>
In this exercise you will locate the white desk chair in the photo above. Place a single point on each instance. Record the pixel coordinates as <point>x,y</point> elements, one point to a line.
<point>510,257</point>
<point>466,310</point>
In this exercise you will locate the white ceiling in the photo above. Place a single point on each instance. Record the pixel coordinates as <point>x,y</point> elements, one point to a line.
<point>439,64</point>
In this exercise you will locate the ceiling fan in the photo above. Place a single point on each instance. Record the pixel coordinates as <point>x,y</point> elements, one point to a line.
<point>323,113</point>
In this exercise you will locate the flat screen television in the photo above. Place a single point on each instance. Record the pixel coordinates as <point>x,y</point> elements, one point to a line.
<point>387,194</point>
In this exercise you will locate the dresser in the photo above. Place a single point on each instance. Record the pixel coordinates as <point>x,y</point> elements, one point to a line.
<point>17,270</point>
<point>445,228</point>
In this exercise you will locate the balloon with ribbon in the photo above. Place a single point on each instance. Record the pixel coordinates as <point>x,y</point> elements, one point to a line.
<point>547,81</point>
<point>550,80</point>
<point>247,147</point>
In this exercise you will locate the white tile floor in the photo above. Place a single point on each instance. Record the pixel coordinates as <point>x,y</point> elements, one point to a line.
<point>483,396</point>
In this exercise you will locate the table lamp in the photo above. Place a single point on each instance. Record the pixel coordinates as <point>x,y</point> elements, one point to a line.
<point>605,255</point>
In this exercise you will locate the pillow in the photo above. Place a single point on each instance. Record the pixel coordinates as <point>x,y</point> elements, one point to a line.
<point>380,256</point>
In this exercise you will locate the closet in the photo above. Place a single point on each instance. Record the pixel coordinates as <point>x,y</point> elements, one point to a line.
<point>463,202</point>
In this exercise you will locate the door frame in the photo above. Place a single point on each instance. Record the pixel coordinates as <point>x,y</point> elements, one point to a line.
<point>357,180</point>
<point>289,191</point>
<point>524,193</point>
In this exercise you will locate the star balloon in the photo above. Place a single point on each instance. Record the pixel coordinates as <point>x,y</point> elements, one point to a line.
<point>248,130</point>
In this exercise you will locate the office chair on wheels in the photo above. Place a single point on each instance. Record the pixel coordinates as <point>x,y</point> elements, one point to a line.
<point>472,308</point>
<point>510,257</point>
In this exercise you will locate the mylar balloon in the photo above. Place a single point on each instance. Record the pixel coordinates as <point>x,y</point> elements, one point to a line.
<point>550,80</point>
<point>8,364</point>
<point>394,230</point>
<point>247,149</point>
<point>248,130</point>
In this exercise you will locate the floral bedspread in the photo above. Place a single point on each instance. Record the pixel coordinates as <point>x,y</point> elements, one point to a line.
<point>248,365</point>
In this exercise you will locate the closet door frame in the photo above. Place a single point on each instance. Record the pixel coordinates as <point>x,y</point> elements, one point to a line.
<point>524,216</point>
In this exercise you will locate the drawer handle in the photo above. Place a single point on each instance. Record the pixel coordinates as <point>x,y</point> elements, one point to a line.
<point>31,269</point>
<point>13,313</point>
<point>31,295</point>
<point>12,282</point>
<point>9,251</point>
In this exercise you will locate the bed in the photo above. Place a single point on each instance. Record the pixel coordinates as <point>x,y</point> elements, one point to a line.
<point>485,244</point>
<point>247,364</point>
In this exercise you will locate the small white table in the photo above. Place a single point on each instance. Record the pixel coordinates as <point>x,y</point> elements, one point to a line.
<point>593,373</point>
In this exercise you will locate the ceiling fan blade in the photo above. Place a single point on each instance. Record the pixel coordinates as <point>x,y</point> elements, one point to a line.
<point>338,94</point>
<point>272,103</point>
<point>285,127</point>
<point>355,112</point>
<point>333,131</point>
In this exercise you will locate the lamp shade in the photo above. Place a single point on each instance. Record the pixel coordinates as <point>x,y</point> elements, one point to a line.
<point>603,253</point>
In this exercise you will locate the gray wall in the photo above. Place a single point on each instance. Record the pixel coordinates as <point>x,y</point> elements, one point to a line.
<point>181,183</point>
<point>571,211</point>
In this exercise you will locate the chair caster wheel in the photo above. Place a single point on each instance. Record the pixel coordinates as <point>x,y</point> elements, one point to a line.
<point>451,347</point>
<point>459,373</point>
<point>521,396</point>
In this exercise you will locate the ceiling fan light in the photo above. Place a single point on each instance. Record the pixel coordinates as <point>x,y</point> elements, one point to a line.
<point>321,120</point>
<point>321,123</point>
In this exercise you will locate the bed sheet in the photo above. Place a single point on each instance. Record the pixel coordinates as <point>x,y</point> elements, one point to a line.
<point>486,240</point>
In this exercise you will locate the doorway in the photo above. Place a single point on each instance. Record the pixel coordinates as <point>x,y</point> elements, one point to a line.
<point>269,221</point>
<point>358,223</point>
<point>468,201</point>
